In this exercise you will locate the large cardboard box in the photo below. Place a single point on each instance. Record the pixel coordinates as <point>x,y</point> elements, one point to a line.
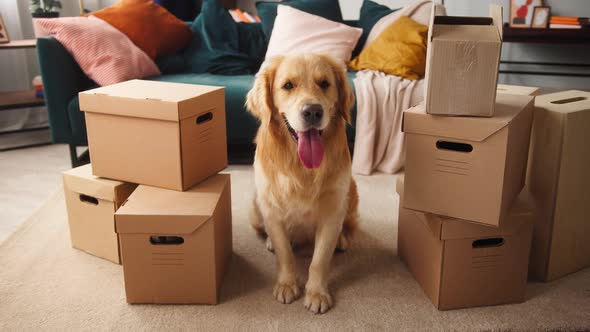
<point>517,89</point>
<point>176,245</point>
<point>91,203</point>
<point>559,178</point>
<point>167,135</point>
<point>460,264</point>
<point>470,168</point>
<point>462,64</point>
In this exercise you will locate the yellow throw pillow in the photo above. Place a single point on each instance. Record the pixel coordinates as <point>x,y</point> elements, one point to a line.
<point>399,50</point>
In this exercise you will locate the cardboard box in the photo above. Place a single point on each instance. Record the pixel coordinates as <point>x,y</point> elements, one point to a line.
<point>176,245</point>
<point>162,134</point>
<point>462,64</point>
<point>91,203</point>
<point>468,167</point>
<point>559,178</point>
<point>460,264</point>
<point>517,89</point>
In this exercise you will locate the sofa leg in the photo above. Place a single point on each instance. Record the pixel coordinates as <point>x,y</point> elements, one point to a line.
<point>76,160</point>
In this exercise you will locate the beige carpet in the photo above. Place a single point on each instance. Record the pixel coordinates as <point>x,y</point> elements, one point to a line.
<point>47,285</point>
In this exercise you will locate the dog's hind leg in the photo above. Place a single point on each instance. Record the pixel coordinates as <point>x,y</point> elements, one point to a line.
<point>351,220</point>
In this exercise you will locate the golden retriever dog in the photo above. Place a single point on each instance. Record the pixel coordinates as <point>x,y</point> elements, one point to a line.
<point>305,193</point>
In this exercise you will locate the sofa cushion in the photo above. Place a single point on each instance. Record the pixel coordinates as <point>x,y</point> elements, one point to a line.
<point>296,31</point>
<point>241,126</point>
<point>267,10</point>
<point>371,13</point>
<point>104,53</point>
<point>151,27</point>
<point>220,46</point>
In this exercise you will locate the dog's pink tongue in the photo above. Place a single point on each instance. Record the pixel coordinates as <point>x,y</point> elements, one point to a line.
<point>310,148</point>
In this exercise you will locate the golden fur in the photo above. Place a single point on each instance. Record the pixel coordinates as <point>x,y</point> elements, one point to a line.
<point>293,204</point>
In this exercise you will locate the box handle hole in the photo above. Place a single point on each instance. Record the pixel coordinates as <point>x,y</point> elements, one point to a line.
<point>454,146</point>
<point>486,243</point>
<point>205,117</point>
<point>568,100</point>
<point>88,199</point>
<point>166,240</point>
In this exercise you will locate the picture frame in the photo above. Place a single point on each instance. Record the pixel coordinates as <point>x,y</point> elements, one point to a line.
<point>521,12</point>
<point>541,16</point>
<point>3,32</point>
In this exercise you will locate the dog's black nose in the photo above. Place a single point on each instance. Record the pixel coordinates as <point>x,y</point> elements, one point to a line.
<point>312,113</point>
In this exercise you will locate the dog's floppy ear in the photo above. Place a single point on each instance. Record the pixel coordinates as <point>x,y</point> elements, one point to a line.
<point>259,100</point>
<point>345,93</point>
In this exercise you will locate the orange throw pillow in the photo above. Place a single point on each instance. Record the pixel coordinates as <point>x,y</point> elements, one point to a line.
<point>149,26</point>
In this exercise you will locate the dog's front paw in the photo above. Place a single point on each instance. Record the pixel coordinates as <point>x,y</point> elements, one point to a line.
<point>317,301</point>
<point>286,292</point>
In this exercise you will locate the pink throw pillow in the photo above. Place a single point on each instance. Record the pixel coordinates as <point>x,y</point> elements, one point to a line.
<point>104,53</point>
<point>296,31</point>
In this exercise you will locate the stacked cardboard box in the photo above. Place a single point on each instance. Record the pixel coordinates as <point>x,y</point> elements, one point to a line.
<point>465,222</point>
<point>559,180</point>
<point>154,200</point>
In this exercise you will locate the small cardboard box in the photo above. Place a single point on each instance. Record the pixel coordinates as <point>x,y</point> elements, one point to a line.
<point>162,134</point>
<point>469,168</point>
<point>91,203</point>
<point>517,90</point>
<point>176,245</point>
<point>462,64</point>
<point>460,264</point>
<point>559,178</point>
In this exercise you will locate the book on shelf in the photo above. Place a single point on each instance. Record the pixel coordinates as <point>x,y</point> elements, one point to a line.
<point>564,26</point>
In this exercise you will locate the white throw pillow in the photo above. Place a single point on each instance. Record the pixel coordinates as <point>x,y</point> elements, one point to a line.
<point>418,11</point>
<point>296,32</point>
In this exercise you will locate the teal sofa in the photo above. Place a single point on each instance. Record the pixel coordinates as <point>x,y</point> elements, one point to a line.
<point>63,80</point>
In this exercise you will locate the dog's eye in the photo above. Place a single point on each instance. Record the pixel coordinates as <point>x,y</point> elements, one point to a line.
<point>288,86</point>
<point>324,84</point>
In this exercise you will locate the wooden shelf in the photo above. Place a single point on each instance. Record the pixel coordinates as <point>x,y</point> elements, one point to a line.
<point>15,44</point>
<point>19,99</point>
<point>546,36</point>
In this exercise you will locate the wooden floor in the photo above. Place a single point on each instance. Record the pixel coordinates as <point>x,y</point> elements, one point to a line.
<point>28,177</point>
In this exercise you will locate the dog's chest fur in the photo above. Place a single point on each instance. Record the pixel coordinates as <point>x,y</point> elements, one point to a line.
<point>295,203</point>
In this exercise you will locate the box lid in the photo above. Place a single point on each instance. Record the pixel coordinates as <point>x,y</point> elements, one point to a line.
<point>507,107</point>
<point>146,99</point>
<point>564,102</point>
<point>151,210</point>
<point>81,181</point>
<point>446,228</point>
<point>464,28</point>
<point>517,89</point>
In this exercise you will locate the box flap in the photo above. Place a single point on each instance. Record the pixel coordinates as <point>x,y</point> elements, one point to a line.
<point>81,181</point>
<point>446,228</point>
<point>145,99</point>
<point>461,28</point>
<point>517,89</point>
<point>496,15</point>
<point>564,102</point>
<point>417,121</point>
<point>517,217</point>
<point>151,210</point>
<point>432,221</point>
<point>431,23</point>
